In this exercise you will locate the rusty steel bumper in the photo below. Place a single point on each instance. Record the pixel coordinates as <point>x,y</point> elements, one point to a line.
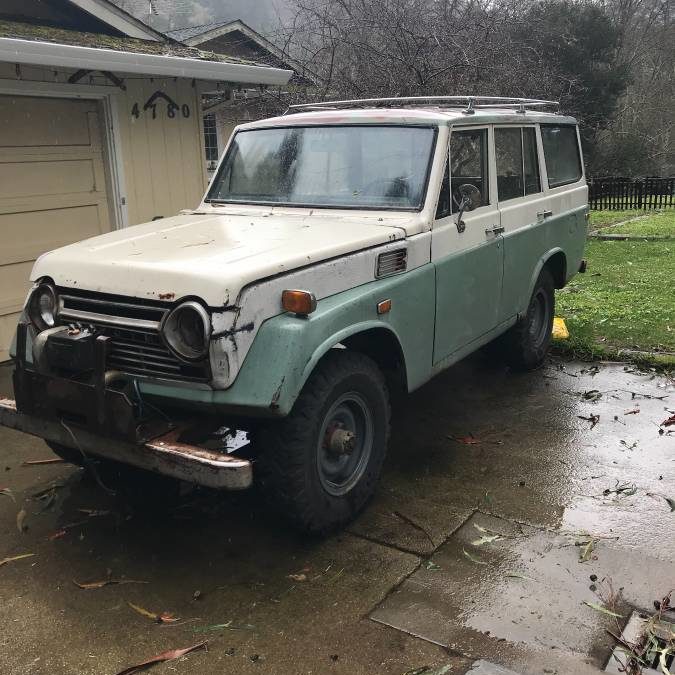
<point>164,454</point>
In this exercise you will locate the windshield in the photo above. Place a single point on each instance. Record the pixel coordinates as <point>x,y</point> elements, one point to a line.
<point>334,166</point>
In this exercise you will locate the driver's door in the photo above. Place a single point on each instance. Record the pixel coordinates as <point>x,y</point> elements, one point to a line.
<point>469,263</point>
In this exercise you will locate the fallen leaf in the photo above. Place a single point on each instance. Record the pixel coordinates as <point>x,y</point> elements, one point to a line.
<point>472,558</point>
<point>8,493</point>
<point>604,610</point>
<point>39,462</point>
<point>634,411</point>
<point>57,535</point>
<point>431,566</point>
<point>593,419</point>
<point>21,521</point>
<point>486,539</point>
<point>298,577</point>
<point>212,627</point>
<point>586,551</point>
<point>669,422</point>
<point>106,582</point>
<point>157,618</point>
<point>592,395</point>
<point>515,575</point>
<point>465,440</point>
<point>170,655</point>
<point>4,561</point>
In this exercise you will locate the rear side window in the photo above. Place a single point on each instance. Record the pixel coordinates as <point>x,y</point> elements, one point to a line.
<point>517,162</point>
<point>561,152</point>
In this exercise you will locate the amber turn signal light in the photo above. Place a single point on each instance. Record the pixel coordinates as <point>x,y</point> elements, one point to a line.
<point>384,306</point>
<point>299,302</point>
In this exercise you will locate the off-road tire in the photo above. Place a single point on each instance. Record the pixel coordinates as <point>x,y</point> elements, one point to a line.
<point>522,346</point>
<point>286,467</point>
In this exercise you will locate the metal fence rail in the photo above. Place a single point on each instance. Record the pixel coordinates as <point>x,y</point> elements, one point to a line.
<point>615,193</point>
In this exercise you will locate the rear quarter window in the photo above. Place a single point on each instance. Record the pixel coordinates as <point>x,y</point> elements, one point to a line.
<point>561,152</point>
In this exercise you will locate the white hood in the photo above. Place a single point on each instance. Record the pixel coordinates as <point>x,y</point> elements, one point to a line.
<point>213,256</point>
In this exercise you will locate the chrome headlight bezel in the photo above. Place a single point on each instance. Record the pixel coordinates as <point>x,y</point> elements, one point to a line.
<point>41,318</point>
<point>170,331</point>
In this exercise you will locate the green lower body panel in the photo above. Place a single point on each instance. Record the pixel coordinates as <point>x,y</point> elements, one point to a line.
<point>287,347</point>
<point>527,249</point>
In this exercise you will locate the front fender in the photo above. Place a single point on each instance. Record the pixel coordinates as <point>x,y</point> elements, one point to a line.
<point>287,347</point>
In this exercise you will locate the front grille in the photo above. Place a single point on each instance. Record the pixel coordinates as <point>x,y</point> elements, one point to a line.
<point>135,346</point>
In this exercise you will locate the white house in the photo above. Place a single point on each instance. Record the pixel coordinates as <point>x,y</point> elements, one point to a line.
<point>101,127</point>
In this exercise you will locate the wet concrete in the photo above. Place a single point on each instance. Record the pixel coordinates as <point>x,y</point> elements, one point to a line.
<point>477,445</point>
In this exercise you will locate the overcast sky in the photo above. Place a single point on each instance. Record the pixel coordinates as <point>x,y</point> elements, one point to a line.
<point>263,15</point>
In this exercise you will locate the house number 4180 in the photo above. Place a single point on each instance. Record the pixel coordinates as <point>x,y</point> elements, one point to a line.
<point>172,110</point>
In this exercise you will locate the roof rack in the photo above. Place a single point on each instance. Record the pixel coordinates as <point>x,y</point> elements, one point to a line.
<point>468,103</point>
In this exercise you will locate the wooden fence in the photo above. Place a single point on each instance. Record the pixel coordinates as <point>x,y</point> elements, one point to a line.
<point>631,193</point>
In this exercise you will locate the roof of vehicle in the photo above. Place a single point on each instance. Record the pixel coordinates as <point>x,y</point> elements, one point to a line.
<point>434,110</point>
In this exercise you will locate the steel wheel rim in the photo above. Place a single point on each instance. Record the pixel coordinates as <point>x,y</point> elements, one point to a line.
<point>539,318</point>
<point>339,473</point>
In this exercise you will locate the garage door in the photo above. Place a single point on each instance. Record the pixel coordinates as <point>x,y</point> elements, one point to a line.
<point>52,189</point>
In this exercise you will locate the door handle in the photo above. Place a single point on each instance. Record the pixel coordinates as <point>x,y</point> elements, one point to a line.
<point>544,214</point>
<point>494,230</point>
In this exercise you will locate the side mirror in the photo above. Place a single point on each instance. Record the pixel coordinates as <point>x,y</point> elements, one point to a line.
<point>470,199</point>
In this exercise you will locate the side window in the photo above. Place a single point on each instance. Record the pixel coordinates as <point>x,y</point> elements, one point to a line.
<point>561,152</point>
<point>531,161</point>
<point>443,208</point>
<point>509,153</point>
<point>517,162</point>
<point>468,160</point>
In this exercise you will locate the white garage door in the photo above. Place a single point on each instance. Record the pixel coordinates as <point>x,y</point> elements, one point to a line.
<point>52,189</point>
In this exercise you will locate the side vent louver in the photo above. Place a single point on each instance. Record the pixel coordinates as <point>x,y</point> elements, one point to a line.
<point>391,262</point>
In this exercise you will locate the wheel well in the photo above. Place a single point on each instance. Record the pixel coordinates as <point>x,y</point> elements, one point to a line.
<point>383,347</point>
<point>557,265</point>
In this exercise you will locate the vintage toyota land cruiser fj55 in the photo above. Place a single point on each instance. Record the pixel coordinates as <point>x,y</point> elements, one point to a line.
<point>341,249</point>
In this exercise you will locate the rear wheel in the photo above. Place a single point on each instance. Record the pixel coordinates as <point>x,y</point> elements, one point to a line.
<point>319,466</point>
<point>525,345</point>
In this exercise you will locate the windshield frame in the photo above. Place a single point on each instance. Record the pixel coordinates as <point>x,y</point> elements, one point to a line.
<point>208,199</point>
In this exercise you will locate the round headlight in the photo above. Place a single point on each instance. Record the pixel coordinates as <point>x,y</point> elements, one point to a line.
<point>187,330</point>
<point>42,306</point>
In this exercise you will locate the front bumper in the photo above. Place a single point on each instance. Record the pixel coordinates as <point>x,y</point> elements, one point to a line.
<point>104,422</point>
<point>165,454</point>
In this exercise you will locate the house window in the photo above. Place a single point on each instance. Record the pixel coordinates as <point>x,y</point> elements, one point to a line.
<point>210,138</point>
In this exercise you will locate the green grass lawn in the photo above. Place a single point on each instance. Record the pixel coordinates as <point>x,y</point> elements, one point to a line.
<point>624,301</point>
<point>654,223</point>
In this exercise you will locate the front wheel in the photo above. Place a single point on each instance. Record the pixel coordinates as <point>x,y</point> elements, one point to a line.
<point>319,466</point>
<point>525,345</point>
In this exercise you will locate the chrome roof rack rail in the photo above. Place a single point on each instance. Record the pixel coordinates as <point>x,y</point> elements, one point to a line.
<point>469,103</point>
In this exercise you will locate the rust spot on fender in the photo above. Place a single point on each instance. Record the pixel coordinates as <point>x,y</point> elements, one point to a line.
<point>167,296</point>
<point>246,328</point>
<point>274,403</point>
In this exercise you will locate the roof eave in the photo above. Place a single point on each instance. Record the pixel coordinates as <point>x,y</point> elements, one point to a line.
<point>115,16</point>
<point>37,53</point>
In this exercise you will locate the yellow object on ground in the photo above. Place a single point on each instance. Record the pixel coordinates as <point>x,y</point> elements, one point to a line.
<point>560,331</point>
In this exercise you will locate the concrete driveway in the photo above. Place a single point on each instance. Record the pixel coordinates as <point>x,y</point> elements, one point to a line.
<point>497,485</point>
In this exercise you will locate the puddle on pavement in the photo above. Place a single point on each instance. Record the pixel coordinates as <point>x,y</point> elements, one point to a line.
<point>518,596</point>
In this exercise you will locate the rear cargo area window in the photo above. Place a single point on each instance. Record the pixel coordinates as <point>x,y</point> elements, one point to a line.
<point>517,162</point>
<point>561,153</point>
